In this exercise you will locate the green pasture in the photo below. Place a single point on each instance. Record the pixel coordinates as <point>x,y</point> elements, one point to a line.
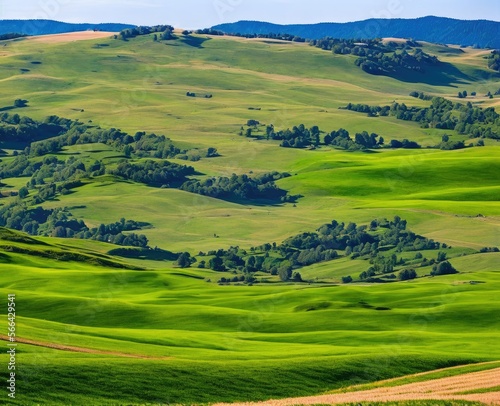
<point>198,342</point>
<point>329,336</point>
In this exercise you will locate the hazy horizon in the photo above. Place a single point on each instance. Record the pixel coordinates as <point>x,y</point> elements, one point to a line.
<point>206,13</point>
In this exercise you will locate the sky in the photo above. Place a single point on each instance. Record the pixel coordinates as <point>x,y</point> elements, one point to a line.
<point>190,14</point>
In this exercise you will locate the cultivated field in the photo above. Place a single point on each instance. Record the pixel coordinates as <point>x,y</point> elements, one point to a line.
<point>481,386</point>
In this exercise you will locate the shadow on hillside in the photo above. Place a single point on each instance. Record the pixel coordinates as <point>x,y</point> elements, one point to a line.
<point>443,74</point>
<point>195,42</point>
<point>156,254</point>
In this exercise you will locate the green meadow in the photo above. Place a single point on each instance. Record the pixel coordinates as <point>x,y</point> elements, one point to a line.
<point>158,334</point>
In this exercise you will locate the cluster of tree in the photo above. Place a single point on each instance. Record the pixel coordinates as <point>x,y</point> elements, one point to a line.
<point>165,31</point>
<point>297,137</point>
<point>24,130</point>
<point>61,223</point>
<point>361,140</point>
<point>154,173</point>
<point>275,36</point>
<point>489,249</point>
<point>447,145</point>
<point>55,133</point>
<point>443,268</point>
<point>209,31</point>
<point>421,95</point>
<point>154,145</point>
<point>192,94</point>
<point>442,114</point>
<point>329,242</point>
<point>18,167</point>
<point>111,233</point>
<point>49,176</point>
<point>241,187</point>
<point>302,137</point>
<point>380,64</point>
<point>377,57</point>
<point>382,267</point>
<point>494,60</point>
<point>354,46</point>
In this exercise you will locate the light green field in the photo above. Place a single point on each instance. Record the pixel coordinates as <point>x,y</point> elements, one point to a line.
<point>204,343</point>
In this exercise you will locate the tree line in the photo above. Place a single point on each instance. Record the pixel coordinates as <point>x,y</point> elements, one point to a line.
<point>54,133</point>
<point>165,31</point>
<point>379,58</point>
<point>443,114</point>
<point>302,137</point>
<point>242,187</point>
<point>61,223</point>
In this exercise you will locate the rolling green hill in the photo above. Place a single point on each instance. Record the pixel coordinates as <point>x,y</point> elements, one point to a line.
<point>95,327</point>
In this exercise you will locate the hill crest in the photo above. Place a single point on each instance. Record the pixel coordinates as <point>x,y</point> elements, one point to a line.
<point>44,27</point>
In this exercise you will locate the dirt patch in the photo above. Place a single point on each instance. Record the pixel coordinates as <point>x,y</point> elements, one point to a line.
<point>70,37</point>
<point>449,388</point>
<point>79,349</point>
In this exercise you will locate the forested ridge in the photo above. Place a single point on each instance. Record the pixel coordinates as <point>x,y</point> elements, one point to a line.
<point>481,33</point>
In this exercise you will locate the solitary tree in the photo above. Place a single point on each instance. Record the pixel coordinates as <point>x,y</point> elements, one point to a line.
<point>184,260</point>
<point>443,268</point>
<point>20,103</point>
<point>23,192</point>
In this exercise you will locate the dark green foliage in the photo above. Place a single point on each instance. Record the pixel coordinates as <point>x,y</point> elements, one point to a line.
<point>346,279</point>
<point>165,30</point>
<point>377,57</point>
<point>241,187</point>
<point>324,245</point>
<point>407,144</point>
<point>24,130</point>
<point>252,123</point>
<point>63,132</point>
<point>23,192</point>
<point>302,137</point>
<point>184,260</point>
<point>443,268</point>
<point>494,60</point>
<point>209,31</point>
<point>153,173</point>
<point>20,103</point>
<point>60,223</point>
<point>407,274</point>
<point>275,36</point>
<point>420,95</point>
<point>489,249</point>
<point>154,254</point>
<point>443,114</point>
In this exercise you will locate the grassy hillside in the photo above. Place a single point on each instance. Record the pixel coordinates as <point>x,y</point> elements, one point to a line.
<point>103,329</point>
<point>183,327</point>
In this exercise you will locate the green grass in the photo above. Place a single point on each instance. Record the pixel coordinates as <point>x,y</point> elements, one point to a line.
<point>230,343</point>
<point>319,338</point>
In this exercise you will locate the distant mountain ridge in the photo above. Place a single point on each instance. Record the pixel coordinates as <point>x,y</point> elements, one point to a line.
<point>43,27</point>
<point>481,33</point>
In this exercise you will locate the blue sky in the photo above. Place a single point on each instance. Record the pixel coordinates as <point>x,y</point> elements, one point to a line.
<point>206,13</point>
